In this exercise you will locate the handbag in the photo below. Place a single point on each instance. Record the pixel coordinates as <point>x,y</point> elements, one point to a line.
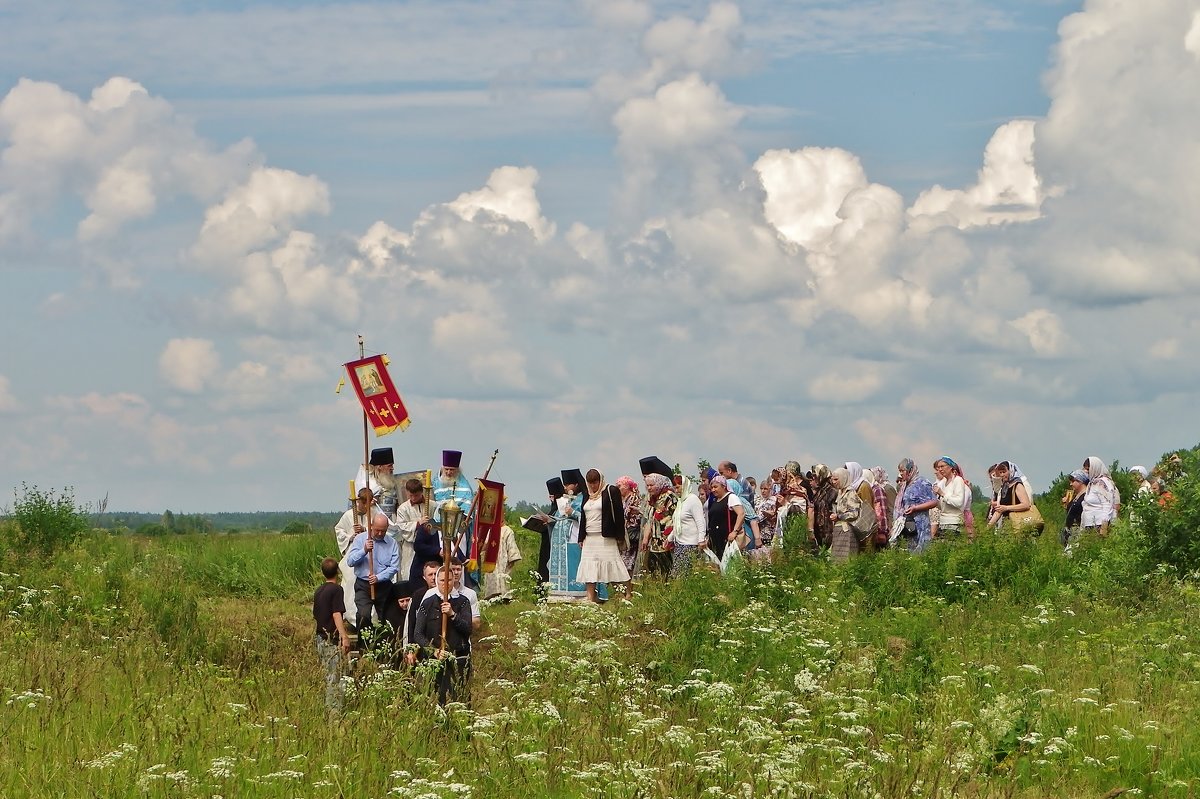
<point>866,524</point>
<point>1027,520</point>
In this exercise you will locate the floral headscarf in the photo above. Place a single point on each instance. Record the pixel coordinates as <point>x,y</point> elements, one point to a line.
<point>656,484</point>
<point>628,482</point>
<point>719,480</point>
<point>881,476</point>
<point>1015,475</point>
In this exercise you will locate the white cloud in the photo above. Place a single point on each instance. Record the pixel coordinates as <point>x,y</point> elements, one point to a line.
<point>8,402</point>
<point>259,212</point>
<point>1164,349</point>
<point>1043,329</point>
<point>854,383</point>
<point>189,364</point>
<point>1008,188</point>
<point>508,196</point>
<point>121,153</point>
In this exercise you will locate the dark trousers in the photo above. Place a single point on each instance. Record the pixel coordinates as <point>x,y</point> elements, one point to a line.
<point>453,680</point>
<point>382,605</point>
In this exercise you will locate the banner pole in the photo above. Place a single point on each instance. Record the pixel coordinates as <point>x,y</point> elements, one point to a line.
<point>367,470</point>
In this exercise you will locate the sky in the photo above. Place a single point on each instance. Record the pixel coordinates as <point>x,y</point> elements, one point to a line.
<point>587,232</point>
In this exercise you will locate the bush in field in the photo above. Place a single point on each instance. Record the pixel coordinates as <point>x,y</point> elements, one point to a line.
<point>297,528</point>
<point>45,521</point>
<point>1170,533</point>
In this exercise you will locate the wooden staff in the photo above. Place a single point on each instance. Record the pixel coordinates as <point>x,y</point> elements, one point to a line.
<point>362,353</point>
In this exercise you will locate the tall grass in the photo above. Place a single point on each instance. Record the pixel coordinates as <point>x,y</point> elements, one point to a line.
<point>182,667</point>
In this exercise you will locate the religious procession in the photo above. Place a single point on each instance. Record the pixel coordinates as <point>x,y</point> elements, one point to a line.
<point>419,550</point>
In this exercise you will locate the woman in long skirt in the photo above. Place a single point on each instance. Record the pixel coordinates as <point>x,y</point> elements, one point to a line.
<point>601,526</point>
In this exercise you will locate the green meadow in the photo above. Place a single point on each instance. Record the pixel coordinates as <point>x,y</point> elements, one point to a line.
<point>183,666</point>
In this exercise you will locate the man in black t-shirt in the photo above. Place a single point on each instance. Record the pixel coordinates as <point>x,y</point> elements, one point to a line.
<point>332,640</point>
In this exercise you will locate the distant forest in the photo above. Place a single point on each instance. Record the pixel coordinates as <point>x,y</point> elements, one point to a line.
<point>286,522</point>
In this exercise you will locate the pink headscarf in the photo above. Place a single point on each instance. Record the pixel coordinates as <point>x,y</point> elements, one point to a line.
<point>628,482</point>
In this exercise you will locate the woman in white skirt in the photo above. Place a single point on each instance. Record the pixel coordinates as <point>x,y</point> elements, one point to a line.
<point>601,528</point>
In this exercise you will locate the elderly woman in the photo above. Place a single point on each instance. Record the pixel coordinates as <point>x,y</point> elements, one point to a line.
<point>1074,505</point>
<point>847,508</point>
<point>601,526</point>
<point>867,523</point>
<point>1141,477</point>
<point>767,505</point>
<point>1101,498</point>
<point>953,495</point>
<point>663,501</point>
<point>914,500</point>
<point>793,495</point>
<point>820,527</point>
<point>726,517</point>
<point>689,529</point>
<point>631,503</point>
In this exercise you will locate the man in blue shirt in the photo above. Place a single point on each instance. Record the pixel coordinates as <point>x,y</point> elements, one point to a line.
<point>375,558</point>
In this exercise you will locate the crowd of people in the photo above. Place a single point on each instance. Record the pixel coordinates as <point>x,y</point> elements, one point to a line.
<point>400,585</point>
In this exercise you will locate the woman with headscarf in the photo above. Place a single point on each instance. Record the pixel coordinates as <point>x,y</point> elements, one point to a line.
<point>689,528</point>
<point>1101,498</point>
<point>820,527</point>
<point>881,508</point>
<point>847,508</point>
<point>866,524</point>
<point>889,489</point>
<point>1011,492</point>
<point>793,496</point>
<point>1074,504</point>
<point>601,526</point>
<point>1142,478</point>
<point>914,500</point>
<point>726,517</point>
<point>661,493</point>
<point>953,497</point>
<point>767,505</point>
<point>631,503</point>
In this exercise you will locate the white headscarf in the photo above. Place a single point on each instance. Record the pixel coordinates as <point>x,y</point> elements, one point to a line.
<point>855,471</point>
<point>842,478</point>
<point>1096,468</point>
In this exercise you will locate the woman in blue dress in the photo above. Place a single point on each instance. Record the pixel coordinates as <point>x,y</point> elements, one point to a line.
<point>565,551</point>
<point>914,500</point>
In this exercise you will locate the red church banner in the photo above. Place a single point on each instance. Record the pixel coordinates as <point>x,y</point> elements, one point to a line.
<point>488,521</point>
<point>377,394</point>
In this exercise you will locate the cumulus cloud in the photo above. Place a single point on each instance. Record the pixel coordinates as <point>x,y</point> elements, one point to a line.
<point>259,212</point>
<point>121,152</point>
<point>1008,188</point>
<point>188,364</point>
<point>8,402</point>
<point>508,197</point>
<point>846,386</point>
<point>726,283</point>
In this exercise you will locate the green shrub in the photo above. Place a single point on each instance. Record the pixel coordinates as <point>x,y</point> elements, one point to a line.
<point>1171,533</point>
<point>45,521</point>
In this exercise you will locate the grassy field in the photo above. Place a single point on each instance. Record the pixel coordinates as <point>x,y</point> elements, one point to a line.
<point>183,667</point>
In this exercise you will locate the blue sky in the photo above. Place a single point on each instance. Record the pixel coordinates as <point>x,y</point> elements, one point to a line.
<point>590,231</point>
